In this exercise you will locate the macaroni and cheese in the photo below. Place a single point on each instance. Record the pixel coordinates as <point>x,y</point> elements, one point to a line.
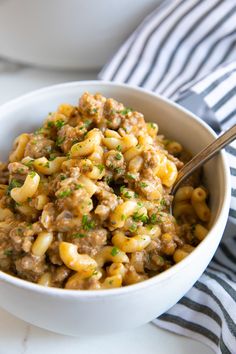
<point>85,200</point>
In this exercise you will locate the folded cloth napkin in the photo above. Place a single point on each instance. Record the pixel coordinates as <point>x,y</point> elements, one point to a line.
<point>172,53</point>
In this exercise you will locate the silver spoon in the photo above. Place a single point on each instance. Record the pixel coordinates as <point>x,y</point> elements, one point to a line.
<point>203,156</point>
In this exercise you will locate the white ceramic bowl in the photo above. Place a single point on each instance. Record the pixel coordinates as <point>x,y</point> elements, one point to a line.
<point>77,312</point>
<point>79,34</point>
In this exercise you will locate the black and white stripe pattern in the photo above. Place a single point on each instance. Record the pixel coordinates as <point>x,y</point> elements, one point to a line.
<point>218,90</point>
<point>184,47</point>
<point>207,313</point>
<point>178,45</point>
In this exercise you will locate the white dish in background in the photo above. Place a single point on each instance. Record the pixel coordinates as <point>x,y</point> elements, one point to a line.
<point>86,312</point>
<point>68,34</point>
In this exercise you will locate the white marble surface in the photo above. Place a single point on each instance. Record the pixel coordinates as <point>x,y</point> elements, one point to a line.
<point>18,337</point>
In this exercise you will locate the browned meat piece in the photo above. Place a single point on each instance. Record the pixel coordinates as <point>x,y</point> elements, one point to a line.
<point>18,169</point>
<point>53,253</point>
<point>22,237</point>
<point>55,183</point>
<point>38,146</point>
<point>5,259</point>
<point>115,160</point>
<point>66,222</point>
<point>179,242</point>
<point>3,173</point>
<point>150,187</point>
<point>5,200</point>
<point>90,242</point>
<point>92,106</point>
<point>151,163</point>
<point>131,276</point>
<point>83,284</point>
<point>153,260</point>
<point>167,223</point>
<point>103,187</point>
<point>75,118</point>
<point>30,267</point>
<point>102,211</point>
<point>112,113</point>
<point>59,275</point>
<point>151,158</point>
<point>75,200</point>
<point>6,248</point>
<point>134,123</point>
<point>68,136</point>
<point>107,200</point>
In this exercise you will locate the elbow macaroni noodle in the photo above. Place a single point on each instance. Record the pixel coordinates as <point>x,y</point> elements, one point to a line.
<point>130,244</point>
<point>75,261</point>
<point>46,167</point>
<point>87,202</point>
<point>87,146</point>
<point>29,188</point>
<point>42,243</point>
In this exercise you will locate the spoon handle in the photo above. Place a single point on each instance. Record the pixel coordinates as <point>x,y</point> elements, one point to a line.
<point>204,155</point>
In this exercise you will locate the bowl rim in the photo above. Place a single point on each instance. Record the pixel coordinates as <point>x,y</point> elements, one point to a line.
<point>167,274</point>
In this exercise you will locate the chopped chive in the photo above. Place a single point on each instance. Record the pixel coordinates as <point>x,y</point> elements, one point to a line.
<point>152,125</point>
<point>87,224</point>
<point>143,184</point>
<point>140,217</point>
<point>32,174</point>
<point>127,195</point>
<point>13,184</point>
<point>126,111</point>
<point>65,193</point>
<point>118,156</point>
<point>78,186</point>
<point>131,176</point>
<point>8,253</point>
<point>59,141</point>
<point>118,170</point>
<point>59,123</point>
<point>100,167</point>
<point>163,202</point>
<point>46,164</point>
<point>87,123</point>
<point>39,131</point>
<point>153,219</point>
<point>122,189</point>
<point>133,227</point>
<point>114,251</point>
<point>29,163</point>
<point>78,235</point>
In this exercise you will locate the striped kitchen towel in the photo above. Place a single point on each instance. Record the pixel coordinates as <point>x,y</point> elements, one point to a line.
<point>186,50</point>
